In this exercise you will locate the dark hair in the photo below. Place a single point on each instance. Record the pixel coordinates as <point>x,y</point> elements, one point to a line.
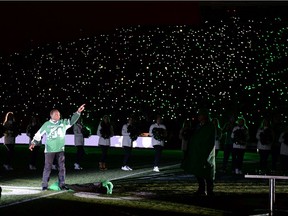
<point>52,111</point>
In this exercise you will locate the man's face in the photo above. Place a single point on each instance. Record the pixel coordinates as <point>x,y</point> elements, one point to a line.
<point>55,116</point>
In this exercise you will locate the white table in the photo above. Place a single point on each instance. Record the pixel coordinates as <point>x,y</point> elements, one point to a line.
<point>272,179</point>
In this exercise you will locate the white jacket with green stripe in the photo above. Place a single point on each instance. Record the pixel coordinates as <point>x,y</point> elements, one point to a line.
<point>55,133</point>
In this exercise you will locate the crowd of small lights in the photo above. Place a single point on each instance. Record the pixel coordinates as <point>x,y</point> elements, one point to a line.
<point>227,66</point>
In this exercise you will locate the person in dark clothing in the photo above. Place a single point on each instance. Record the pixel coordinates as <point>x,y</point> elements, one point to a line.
<point>11,131</point>
<point>200,160</point>
<point>228,143</point>
<point>31,130</point>
<point>277,127</point>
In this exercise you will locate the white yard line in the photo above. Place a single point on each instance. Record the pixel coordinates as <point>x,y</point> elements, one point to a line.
<point>20,187</point>
<point>28,200</point>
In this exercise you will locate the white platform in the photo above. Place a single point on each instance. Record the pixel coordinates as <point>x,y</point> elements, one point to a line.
<point>116,141</point>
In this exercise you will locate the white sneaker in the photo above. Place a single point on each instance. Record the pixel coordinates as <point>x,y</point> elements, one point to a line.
<point>31,167</point>
<point>236,171</point>
<point>125,168</point>
<point>77,166</point>
<point>6,167</point>
<point>130,169</point>
<point>54,167</point>
<point>156,169</point>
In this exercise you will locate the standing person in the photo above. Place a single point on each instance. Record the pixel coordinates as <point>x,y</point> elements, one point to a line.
<point>278,128</point>
<point>130,133</point>
<point>105,131</point>
<point>79,143</point>
<point>228,143</point>
<point>31,130</point>
<point>265,138</point>
<point>218,135</point>
<point>200,159</point>
<point>55,130</point>
<point>185,135</point>
<point>283,139</point>
<point>240,136</point>
<point>158,132</point>
<point>11,131</point>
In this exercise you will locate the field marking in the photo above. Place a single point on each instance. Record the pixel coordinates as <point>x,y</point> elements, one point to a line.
<point>101,197</point>
<point>20,187</point>
<point>31,199</point>
<point>52,194</point>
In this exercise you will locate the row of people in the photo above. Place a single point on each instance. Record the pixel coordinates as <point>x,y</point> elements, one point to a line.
<point>271,140</point>
<point>264,149</point>
<point>105,131</point>
<point>54,146</point>
<point>55,131</point>
<point>130,133</point>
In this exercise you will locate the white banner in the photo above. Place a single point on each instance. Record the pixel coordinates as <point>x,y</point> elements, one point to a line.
<point>116,141</point>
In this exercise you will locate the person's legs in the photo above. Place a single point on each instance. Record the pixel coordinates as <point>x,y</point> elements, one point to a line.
<point>210,186</point>
<point>240,159</point>
<point>234,160</point>
<point>158,151</point>
<point>10,155</point>
<point>79,154</point>
<point>264,154</point>
<point>201,186</point>
<point>127,154</point>
<point>49,157</point>
<point>275,152</point>
<point>227,152</point>
<point>61,167</point>
<point>33,157</point>
<point>102,163</point>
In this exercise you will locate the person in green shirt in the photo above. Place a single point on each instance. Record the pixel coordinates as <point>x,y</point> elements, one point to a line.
<point>55,130</point>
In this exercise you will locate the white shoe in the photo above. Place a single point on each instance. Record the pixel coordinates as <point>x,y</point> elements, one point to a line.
<point>130,169</point>
<point>77,166</point>
<point>156,169</point>
<point>125,168</point>
<point>31,167</point>
<point>54,167</point>
<point>236,171</point>
<point>7,167</point>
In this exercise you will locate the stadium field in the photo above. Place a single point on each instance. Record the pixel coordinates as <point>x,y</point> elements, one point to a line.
<point>138,192</point>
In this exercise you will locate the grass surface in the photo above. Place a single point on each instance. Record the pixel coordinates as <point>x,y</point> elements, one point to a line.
<point>139,192</point>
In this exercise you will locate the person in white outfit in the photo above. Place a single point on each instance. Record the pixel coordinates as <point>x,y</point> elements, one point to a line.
<point>265,138</point>
<point>240,136</point>
<point>79,143</point>
<point>130,134</point>
<point>158,132</point>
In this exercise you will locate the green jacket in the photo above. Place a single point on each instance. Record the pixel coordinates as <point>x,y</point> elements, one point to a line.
<point>55,133</point>
<point>200,160</point>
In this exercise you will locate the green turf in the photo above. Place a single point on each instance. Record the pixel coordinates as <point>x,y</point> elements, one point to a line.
<point>139,192</point>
